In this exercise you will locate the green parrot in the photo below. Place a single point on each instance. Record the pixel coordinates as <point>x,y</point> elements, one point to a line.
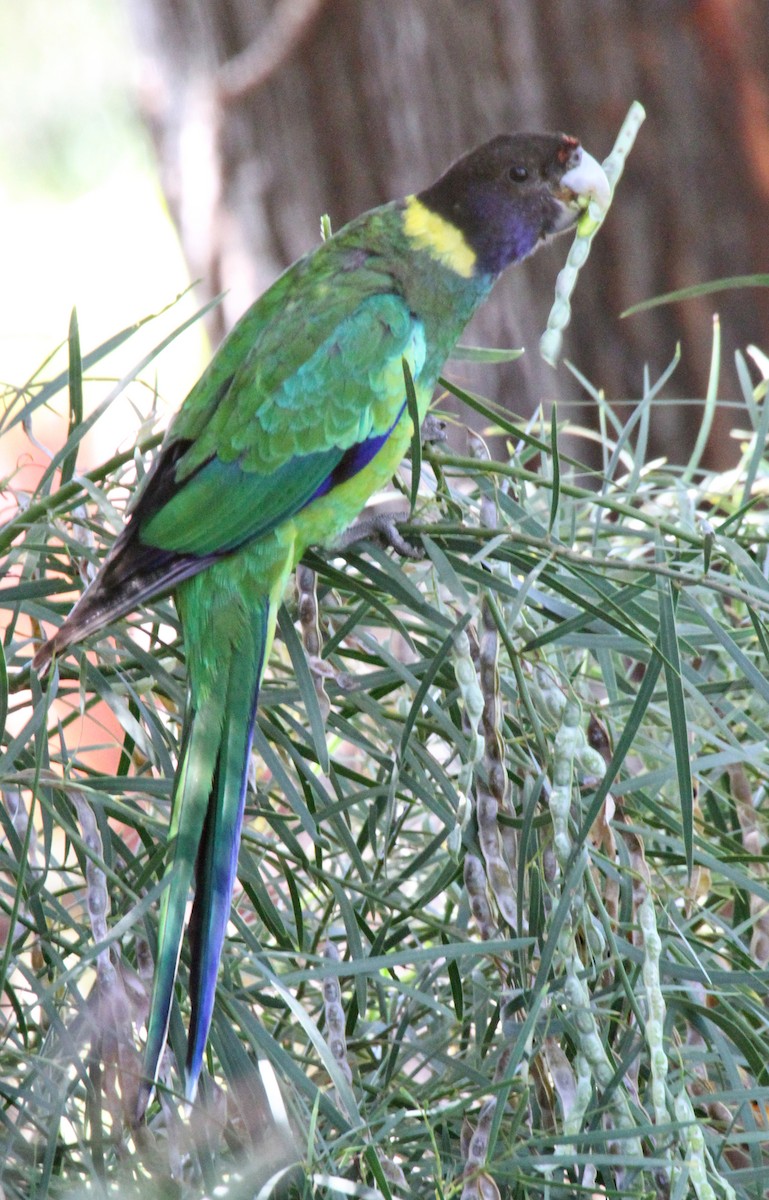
<point>300,417</point>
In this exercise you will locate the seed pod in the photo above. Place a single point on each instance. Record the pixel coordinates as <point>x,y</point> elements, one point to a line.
<point>587,227</point>
<point>311,637</point>
<point>332,1006</point>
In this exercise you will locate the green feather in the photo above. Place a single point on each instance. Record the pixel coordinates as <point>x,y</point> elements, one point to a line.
<point>197,761</point>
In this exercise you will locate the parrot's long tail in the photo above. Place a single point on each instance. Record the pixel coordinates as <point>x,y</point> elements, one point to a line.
<point>208,799</point>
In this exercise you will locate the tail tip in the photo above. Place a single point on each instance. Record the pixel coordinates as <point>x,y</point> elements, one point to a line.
<point>191,1086</point>
<point>43,657</point>
<point>147,1087</point>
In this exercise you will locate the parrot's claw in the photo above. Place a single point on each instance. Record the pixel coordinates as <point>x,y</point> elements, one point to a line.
<point>433,430</point>
<point>381,528</point>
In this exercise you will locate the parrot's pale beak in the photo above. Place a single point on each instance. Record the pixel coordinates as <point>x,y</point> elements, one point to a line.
<point>587,181</point>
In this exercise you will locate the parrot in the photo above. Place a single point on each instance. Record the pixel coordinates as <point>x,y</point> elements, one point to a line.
<point>300,417</point>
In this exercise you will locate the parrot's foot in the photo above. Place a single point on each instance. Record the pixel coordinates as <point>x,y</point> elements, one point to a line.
<point>381,528</point>
<point>433,430</point>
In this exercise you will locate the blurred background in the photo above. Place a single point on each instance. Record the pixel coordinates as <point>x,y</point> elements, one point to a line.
<point>145,143</point>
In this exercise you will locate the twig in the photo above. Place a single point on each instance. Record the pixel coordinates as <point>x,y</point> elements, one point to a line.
<point>250,70</point>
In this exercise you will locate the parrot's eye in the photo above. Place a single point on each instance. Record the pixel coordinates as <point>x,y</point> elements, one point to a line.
<point>518,174</point>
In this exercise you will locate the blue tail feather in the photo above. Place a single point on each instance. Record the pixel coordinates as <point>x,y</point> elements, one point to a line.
<point>208,801</point>
<point>217,861</point>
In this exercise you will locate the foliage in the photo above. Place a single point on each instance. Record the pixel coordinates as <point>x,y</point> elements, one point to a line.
<point>501,926</point>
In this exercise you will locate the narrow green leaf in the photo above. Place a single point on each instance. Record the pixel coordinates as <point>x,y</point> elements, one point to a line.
<point>291,794</point>
<point>760,415</point>
<point>668,644</point>
<point>443,569</point>
<point>455,982</point>
<point>52,387</point>
<point>697,290</point>
<point>754,676</point>
<point>375,1167</point>
<point>441,655</point>
<point>3,691</point>
<point>747,388</point>
<point>484,354</point>
<point>85,425</point>
<point>517,1051</point>
<point>416,436</point>
<point>306,686</point>
<point>555,495</point>
<point>709,408</point>
<point>75,395</point>
<point>296,903</point>
<point>761,634</point>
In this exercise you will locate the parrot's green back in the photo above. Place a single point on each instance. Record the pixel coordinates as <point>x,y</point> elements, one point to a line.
<point>299,419</point>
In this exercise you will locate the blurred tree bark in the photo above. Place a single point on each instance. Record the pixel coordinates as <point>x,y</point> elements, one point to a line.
<point>267,113</point>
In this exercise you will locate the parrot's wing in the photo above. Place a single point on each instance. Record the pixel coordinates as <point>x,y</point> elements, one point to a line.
<point>261,454</point>
<point>265,455</point>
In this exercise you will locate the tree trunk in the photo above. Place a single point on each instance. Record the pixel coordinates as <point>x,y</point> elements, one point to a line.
<point>267,113</point>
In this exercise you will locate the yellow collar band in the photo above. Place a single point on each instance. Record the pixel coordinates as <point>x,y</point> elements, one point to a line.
<point>438,237</point>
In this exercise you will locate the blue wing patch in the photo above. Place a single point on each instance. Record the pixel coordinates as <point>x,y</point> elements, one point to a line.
<point>354,460</point>
<point>234,506</point>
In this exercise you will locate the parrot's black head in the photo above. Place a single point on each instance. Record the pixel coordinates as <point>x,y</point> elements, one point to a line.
<point>510,194</point>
